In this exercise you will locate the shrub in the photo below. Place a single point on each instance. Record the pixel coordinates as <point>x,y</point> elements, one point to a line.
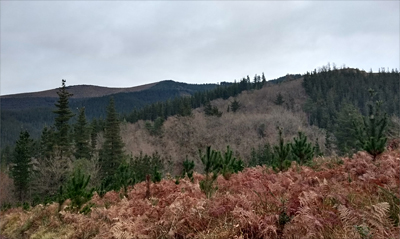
<point>281,154</point>
<point>211,161</point>
<point>76,190</point>
<point>301,149</point>
<point>188,167</point>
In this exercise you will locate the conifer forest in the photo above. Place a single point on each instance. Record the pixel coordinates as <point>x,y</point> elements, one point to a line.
<point>314,155</point>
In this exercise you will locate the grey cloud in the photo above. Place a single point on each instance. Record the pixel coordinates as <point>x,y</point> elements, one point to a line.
<point>135,42</point>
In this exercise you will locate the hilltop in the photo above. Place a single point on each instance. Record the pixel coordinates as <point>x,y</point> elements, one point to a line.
<point>80,91</point>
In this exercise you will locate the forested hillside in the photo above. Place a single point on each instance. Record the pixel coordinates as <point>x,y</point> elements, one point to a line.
<point>33,111</point>
<point>337,97</point>
<point>217,132</point>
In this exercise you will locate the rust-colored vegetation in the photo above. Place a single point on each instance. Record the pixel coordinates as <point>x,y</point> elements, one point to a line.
<point>333,198</point>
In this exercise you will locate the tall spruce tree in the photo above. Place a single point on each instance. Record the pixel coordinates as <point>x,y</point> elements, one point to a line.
<point>21,169</point>
<point>64,114</point>
<point>112,151</point>
<point>371,134</point>
<point>344,131</point>
<point>82,148</point>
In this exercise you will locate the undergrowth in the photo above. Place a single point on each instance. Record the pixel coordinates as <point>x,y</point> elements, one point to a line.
<point>330,198</point>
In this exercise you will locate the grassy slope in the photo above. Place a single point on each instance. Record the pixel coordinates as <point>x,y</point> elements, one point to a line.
<point>336,198</point>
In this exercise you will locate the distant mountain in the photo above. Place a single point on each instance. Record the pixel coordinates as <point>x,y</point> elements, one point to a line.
<point>80,91</point>
<point>31,111</point>
<point>46,98</point>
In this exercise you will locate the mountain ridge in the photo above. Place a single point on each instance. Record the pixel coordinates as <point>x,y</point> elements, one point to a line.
<point>82,91</point>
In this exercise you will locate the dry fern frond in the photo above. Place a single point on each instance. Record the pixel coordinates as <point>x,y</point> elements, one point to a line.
<point>119,232</point>
<point>377,217</point>
<point>348,216</point>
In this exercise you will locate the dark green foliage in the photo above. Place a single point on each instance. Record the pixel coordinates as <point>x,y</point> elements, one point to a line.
<point>21,170</point>
<point>156,175</point>
<point>344,131</point>
<point>123,178</point>
<point>112,151</point>
<point>181,105</point>
<point>47,143</point>
<point>63,115</point>
<point>264,80</point>
<point>76,190</point>
<point>25,206</point>
<point>261,130</point>
<point>263,155</point>
<point>156,128</point>
<point>143,165</point>
<point>302,149</point>
<point>211,110</point>
<point>5,206</point>
<point>82,148</point>
<point>188,167</point>
<point>371,134</point>
<point>235,105</point>
<point>229,164</point>
<point>6,156</point>
<point>279,99</point>
<point>281,154</point>
<point>94,130</point>
<point>107,184</point>
<point>394,202</point>
<point>211,161</point>
<point>328,89</point>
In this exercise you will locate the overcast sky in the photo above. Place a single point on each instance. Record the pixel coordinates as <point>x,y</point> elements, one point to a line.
<point>129,43</point>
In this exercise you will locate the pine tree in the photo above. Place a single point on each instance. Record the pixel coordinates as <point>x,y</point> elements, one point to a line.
<point>82,149</point>
<point>76,190</point>
<point>344,131</point>
<point>371,135</point>
<point>64,114</point>
<point>263,79</point>
<point>112,151</point>
<point>21,169</point>
<point>281,153</point>
<point>212,166</point>
<point>235,105</point>
<point>279,99</point>
<point>301,149</point>
<point>188,167</point>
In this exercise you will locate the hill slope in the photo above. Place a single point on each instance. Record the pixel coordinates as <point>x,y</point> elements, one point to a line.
<point>336,198</point>
<point>32,111</point>
<point>252,126</point>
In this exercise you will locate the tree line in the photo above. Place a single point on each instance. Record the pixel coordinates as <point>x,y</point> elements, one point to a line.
<point>339,97</point>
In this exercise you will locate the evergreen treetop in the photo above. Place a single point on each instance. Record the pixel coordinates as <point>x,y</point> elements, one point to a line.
<point>64,114</point>
<point>371,134</point>
<point>112,152</point>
